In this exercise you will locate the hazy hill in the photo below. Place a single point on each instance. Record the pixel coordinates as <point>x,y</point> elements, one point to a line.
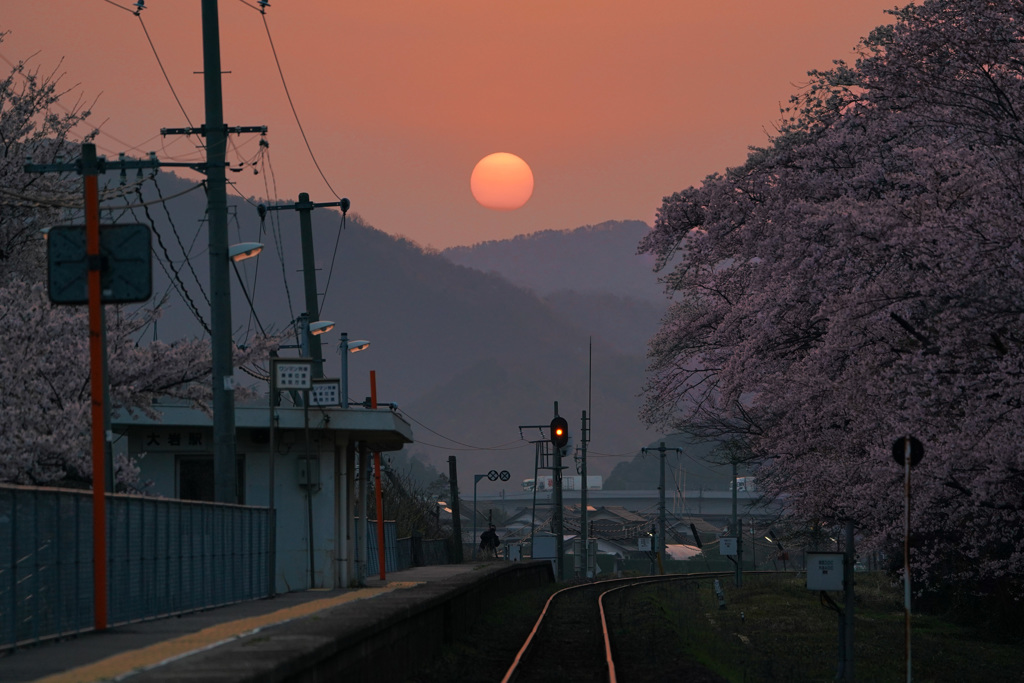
<point>692,469</point>
<point>466,354</point>
<point>593,258</point>
<point>623,323</point>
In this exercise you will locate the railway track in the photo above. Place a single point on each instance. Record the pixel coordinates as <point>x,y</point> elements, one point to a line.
<point>577,634</point>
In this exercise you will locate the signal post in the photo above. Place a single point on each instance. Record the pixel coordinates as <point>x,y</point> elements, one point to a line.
<point>559,440</point>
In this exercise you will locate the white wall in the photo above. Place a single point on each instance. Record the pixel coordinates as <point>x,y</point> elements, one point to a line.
<point>158,466</point>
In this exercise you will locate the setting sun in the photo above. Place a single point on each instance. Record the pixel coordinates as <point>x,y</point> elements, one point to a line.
<point>501,181</point>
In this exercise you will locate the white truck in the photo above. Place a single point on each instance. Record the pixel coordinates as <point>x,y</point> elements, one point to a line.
<point>569,483</point>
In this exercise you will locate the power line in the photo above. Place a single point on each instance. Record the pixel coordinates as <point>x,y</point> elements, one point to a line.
<point>460,449</point>
<point>186,253</point>
<point>180,285</point>
<point>294,112</point>
<point>258,9</point>
<point>500,447</point>
<point>161,65</point>
<point>330,272</point>
<point>126,9</point>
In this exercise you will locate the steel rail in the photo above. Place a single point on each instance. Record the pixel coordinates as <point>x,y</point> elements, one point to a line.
<point>630,582</point>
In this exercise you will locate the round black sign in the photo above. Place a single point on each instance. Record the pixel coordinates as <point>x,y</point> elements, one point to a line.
<point>900,447</point>
<point>504,475</point>
<point>493,475</point>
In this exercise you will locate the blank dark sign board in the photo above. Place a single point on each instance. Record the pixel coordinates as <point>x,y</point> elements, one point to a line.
<point>126,272</point>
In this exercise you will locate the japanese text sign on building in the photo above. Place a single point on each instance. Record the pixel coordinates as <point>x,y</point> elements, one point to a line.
<point>162,440</point>
<point>293,374</point>
<point>326,392</point>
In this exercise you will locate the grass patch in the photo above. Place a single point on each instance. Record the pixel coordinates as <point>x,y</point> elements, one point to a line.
<point>784,634</point>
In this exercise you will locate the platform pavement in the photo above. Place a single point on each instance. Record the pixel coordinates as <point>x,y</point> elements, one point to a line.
<point>120,652</point>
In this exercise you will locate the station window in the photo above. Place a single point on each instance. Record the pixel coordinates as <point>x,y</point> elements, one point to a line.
<point>195,477</point>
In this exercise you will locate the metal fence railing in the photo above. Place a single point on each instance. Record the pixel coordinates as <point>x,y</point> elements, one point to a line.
<point>403,553</point>
<point>164,557</point>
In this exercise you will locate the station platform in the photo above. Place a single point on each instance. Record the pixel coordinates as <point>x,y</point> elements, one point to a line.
<point>302,635</point>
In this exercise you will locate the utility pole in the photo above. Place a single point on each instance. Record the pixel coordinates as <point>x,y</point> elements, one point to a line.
<point>225,473</point>
<point>584,439</point>
<point>305,208</point>
<point>453,480</point>
<point>849,560</point>
<point>90,166</point>
<point>661,450</point>
<point>584,534</point>
<point>737,531</point>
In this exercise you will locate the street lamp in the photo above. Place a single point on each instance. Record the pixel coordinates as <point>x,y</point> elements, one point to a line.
<point>346,347</point>
<point>321,326</point>
<point>310,330</point>
<point>241,252</point>
<point>244,250</point>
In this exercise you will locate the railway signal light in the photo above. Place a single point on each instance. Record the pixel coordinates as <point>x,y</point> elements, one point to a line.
<point>559,432</point>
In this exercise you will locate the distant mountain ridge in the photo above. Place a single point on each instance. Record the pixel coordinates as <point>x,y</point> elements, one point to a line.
<point>591,258</point>
<point>468,355</point>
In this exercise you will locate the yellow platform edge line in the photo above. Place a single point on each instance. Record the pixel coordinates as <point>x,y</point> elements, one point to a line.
<point>125,664</point>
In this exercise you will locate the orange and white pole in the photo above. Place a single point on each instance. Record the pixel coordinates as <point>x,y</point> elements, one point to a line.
<point>96,353</point>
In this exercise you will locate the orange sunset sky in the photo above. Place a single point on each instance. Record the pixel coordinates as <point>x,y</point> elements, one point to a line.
<point>613,104</point>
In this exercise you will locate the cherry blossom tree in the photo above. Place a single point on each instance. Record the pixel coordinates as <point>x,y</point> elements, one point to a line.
<point>45,421</point>
<point>861,278</point>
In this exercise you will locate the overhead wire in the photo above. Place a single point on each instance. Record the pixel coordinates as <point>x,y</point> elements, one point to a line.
<point>74,202</point>
<point>186,253</point>
<point>261,157</point>
<point>97,129</point>
<point>420,442</point>
<point>500,447</point>
<point>161,65</point>
<point>295,113</point>
<point>180,288</point>
<point>275,230</point>
<point>330,271</point>
<point>126,9</point>
<point>591,452</point>
<point>253,316</point>
<point>171,284</point>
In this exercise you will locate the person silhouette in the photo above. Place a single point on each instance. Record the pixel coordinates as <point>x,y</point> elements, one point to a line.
<point>489,542</point>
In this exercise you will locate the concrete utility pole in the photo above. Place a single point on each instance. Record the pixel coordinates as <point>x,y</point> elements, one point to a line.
<point>737,531</point>
<point>661,450</point>
<point>225,473</point>
<point>849,560</point>
<point>453,480</point>
<point>305,208</point>
<point>584,532</point>
<point>224,469</point>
